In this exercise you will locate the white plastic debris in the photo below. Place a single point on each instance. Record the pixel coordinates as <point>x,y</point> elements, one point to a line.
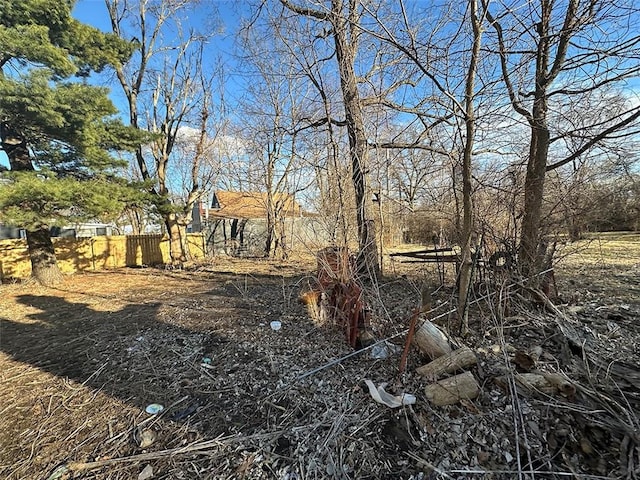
<point>276,325</point>
<point>381,396</point>
<point>154,408</point>
<point>384,350</point>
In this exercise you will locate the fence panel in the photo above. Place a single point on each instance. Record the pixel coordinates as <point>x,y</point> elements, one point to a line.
<point>96,253</point>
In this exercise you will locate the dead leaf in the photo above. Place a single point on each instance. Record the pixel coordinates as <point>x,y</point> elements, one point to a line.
<point>146,473</point>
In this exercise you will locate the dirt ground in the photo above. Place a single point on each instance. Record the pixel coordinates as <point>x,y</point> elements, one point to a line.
<point>80,364</point>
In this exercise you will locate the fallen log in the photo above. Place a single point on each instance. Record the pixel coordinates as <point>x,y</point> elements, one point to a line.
<point>451,362</point>
<point>431,340</point>
<point>533,382</point>
<point>452,390</point>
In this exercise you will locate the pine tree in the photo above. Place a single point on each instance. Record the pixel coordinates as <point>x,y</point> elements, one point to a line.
<point>56,130</point>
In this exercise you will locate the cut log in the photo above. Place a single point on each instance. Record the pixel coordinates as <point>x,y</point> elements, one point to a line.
<point>452,390</point>
<point>457,360</point>
<point>533,382</point>
<point>431,340</point>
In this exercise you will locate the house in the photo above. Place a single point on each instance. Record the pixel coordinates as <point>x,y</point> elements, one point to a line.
<point>80,230</point>
<point>252,205</point>
<point>227,205</point>
<point>237,220</point>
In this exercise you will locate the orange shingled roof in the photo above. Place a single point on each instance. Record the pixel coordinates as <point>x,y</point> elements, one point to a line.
<point>252,205</point>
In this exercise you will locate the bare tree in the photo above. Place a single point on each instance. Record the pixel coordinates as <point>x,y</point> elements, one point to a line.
<point>550,54</point>
<point>273,111</point>
<point>456,90</point>
<point>476,20</point>
<point>342,20</point>
<point>168,93</point>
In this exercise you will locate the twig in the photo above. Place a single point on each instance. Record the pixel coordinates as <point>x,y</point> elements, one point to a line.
<point>530,472</point>
<point>429,465</point>
<point>197,448</point>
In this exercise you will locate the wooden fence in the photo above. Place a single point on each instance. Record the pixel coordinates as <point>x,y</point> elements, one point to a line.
<point>96,253</point>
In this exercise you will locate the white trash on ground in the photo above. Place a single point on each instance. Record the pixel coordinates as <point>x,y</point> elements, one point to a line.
<point>381,396</point>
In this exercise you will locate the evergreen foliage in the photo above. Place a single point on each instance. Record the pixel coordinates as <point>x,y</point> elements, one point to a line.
<point>58,132</point>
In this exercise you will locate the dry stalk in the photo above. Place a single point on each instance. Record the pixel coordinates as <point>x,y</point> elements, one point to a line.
<point>199,448</point>
<point>518,418</point>
<point>407,344</point>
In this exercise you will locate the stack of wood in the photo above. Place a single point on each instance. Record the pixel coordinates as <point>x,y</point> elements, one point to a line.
<point>445,361</point>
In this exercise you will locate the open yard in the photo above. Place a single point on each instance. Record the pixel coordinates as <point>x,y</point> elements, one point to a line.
<point>80,364</point>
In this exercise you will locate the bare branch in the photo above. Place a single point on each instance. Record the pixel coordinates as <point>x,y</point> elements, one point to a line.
<point>595,139</point>
<point>307,12</point>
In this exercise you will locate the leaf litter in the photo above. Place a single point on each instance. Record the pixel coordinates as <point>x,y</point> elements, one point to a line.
<point>80,364</point>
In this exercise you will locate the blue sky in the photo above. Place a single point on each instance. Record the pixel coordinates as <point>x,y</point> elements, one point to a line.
<point>94,12</point>
<point>221,16</point>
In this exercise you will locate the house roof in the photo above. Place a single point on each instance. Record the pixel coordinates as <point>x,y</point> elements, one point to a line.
<point>251,205</point>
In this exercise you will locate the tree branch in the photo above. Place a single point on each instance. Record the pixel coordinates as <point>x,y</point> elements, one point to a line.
<point>308,12</point>
<point>517,106</point>
<point>565,35</point>
<point>406,146</point>
<point>601,136</point>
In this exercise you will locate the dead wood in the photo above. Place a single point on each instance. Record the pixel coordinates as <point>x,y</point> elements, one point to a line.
<point>457,360</point>
<point>431,340</point>
<point>532,382</point>
<point>453,389</point>
<point>562,384</point>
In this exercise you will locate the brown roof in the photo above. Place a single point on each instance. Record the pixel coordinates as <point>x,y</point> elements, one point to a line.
<point>252,205</point>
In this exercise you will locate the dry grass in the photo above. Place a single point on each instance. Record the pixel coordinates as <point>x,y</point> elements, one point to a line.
<point>604,267</point>
<point>608,250</point>
<point>79,364</point>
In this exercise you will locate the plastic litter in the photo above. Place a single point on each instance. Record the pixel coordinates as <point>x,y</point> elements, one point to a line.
<point>384,350</point>
<point>393,401</point>
<point>154,408</point>
<point>276,325</point>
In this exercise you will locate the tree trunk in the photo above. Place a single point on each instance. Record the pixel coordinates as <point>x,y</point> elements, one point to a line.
<point>44,267</point>
<point>281,241</point>
<point>178,246</point>
<point>268,243</point>
<point>234,229</point>
<point>358,145</point>
<point>467,204</point>
<point>534,191</point>
<point>241,225</point>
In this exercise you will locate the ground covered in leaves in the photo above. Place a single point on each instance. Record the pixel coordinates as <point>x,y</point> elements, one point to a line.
<point>79,366</point>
